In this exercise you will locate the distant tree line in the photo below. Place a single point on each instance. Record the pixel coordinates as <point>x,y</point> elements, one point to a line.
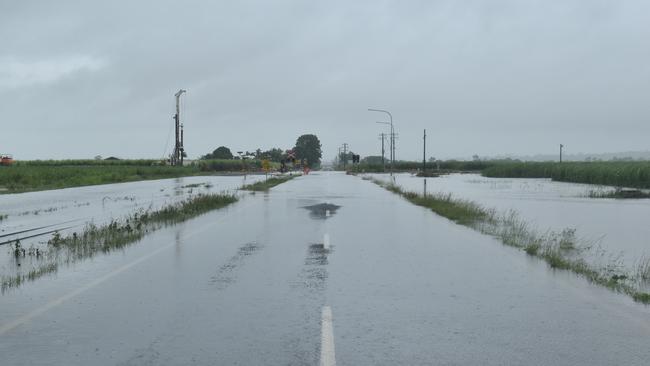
<point>307,148</point>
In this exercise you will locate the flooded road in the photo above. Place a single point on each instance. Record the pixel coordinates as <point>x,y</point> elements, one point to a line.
<point>259,281</point>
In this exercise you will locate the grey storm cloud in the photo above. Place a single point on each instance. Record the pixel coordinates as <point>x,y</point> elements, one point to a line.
<point>81,78</point>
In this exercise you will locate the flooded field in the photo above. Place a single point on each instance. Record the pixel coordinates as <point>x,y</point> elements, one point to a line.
<point>36,217</point>
<point>617,228</point>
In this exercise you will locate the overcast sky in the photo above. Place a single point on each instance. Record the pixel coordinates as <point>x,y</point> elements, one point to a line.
<point>86,78</point>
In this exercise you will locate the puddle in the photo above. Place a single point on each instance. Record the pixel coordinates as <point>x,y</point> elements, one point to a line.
<point>320,211</point>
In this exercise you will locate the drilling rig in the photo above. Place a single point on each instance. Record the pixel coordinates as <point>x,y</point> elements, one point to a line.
<point>179,151</point>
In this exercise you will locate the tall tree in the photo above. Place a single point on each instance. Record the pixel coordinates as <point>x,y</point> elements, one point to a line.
<point>308,147</point>
<point>221,152</point>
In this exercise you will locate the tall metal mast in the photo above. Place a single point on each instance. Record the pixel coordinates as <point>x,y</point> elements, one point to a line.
<point>424,151</point>
<point>177,155</point>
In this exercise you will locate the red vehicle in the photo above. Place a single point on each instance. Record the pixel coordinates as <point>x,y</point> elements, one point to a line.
<point>6,159</point>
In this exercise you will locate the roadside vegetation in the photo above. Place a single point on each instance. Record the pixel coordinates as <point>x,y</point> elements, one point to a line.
<point>561,250</point>
<point>265,185</point>
<point>105,238</point>
<point>26,176</point>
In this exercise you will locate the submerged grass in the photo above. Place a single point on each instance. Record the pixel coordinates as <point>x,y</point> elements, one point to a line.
<point>560,250</point>
<point>618,193</point>
<point>265,185</point>
<point>106,238</point>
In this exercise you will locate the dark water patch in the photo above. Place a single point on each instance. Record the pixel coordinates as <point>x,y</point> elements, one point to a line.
<point>319,211</point>
<point>317,254</point>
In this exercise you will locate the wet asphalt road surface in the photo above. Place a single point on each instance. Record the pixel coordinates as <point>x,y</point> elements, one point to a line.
<point>247,285</point>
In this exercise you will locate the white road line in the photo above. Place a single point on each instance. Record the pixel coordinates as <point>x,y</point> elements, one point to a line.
<point>51,304</point>
<point>327,357</point>
<point>326,241</point>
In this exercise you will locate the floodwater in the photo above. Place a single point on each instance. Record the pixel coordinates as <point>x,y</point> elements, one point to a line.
<point>248,284</point>
<point>618,226</point>
<point>34,217</point>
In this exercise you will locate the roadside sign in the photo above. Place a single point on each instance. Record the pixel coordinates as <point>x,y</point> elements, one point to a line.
<point>266,165</point>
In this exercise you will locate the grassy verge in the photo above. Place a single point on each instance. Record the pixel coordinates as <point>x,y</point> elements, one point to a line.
<point>265,185</point>
<point>38,175</point>
<point>106,238</point>
<point>561,250</point>
<point>617,174</point>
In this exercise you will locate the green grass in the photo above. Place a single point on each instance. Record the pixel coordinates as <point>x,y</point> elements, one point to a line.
<point>89,162</point>
<point>106,238</point>
<point>407,166</point>
<point>55,174</point>
<point>22,178</point>
<point>460,211</point>
<point>265,185</point>
<point>617,174</point>
<point>560,250</point>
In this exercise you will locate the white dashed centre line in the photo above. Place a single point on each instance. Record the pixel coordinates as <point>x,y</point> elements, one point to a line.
<point>326,241</point>
<point>327,357</point>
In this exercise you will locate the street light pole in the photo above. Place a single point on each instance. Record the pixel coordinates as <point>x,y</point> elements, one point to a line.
<point>392,137</point>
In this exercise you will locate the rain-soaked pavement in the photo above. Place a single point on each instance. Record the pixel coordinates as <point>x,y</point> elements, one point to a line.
<point>253,284</point>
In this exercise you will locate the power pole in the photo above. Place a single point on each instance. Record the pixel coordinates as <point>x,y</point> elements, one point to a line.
<point>392,136</point>
<point>383,161</point>
<point>561,147</point>
<point>345,155</point>
<point>177,155</point>
<point>392,146</point>
<point>424,151</point>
